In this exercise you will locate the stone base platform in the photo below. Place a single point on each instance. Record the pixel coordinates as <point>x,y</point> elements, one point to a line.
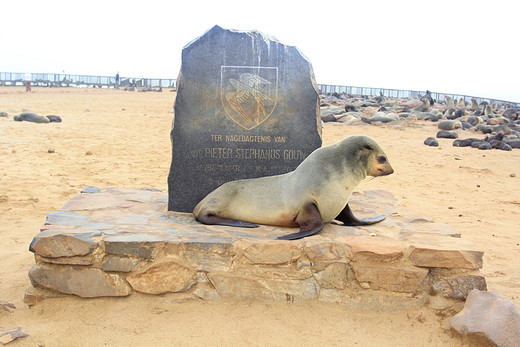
<point>118,241</point>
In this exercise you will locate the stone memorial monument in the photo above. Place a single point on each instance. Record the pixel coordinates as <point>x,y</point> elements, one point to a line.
<point>247,106</point>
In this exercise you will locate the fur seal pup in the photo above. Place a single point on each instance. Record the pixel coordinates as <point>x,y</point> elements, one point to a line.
<point>316,192</point>
<point>449,113</point>
<point>484,146</point>
<point>466,142</point>
<point>31,117</point>
<point>444,134</point>
<point>432,142</point>
<point>53,118</point>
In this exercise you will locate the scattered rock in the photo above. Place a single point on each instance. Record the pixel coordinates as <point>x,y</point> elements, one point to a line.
<point>90,189</point>
<point>9,335</point>
<point>51,150</point>
<point>7,306</point>
<point>491,314</point>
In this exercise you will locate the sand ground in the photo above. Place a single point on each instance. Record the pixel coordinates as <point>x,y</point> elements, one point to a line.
<point>127,136</point>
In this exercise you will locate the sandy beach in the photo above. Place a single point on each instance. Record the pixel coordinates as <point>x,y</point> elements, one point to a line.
<point>113,138</point>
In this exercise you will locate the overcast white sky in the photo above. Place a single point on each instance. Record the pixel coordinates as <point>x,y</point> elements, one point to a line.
<point>461,47</point>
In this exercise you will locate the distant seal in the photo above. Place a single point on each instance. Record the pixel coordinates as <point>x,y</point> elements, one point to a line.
<point>502,145</point>
<point>3,114</point>
<point>474,105</point>
<point>31,117</point>
<point>449,113</point>
<point>381,117</point>
<point>53,118</point>
<point>466,125</point>
<point>466,142</point>
<point>449,125</point>
<point>488,111</point>
<point>488,129</point>
<point>514,143</point>
<point>316,192</point>
<point>473,120</point>
<point>424,107</point>
<point>511,113</point>
<point>444,134</point>
<point>427,116</point>
<point>431,141</point>
<point>450,104</point>
<point>484,146</point>
<point>351,108</point>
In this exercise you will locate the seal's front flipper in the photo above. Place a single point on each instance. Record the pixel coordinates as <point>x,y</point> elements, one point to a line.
<point>346,216</point>
<point>213,219</point>
<point>310,222</point>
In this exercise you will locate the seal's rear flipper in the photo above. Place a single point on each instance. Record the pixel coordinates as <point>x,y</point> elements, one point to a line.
<point>310,222</point>
<point>300,234</point>
<point>216,220</point>
<point>347,217</point>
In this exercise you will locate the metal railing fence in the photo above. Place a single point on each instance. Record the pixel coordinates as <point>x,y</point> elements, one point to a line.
<point>398,93</point>
<point>68,80</point>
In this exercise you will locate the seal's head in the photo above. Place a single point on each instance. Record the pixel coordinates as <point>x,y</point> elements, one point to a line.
<point>370,155</point>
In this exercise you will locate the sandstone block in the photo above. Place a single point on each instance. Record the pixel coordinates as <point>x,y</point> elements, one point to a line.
<point>378,248</point>
<point>59,243</point>
<point>326,251</point>
<point>438,257</point>
<point>66,218</point>
<point>120,264</point>
<point>209,255</point>
<point>164,277</point>
<point>34,295</point>
<point>457,286</point>
<point>491,314</point>
<point>396,279</point>
<point>136,245</point>
<point>90,202</point>
<point>206,291</point>
<point>333,276</point>
<point>238,286</point>
<point>272,252</point>
<point>79,260</point>
<point>80,281</point>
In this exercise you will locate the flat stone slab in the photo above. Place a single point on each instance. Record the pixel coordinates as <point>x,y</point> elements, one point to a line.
<point>119,241</point>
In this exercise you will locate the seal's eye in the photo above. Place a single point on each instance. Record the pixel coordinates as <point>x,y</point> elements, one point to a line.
<point>381,159</point>
<point>368,147</point>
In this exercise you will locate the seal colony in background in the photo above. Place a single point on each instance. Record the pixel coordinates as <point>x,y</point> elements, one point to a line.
<point>315,193</point>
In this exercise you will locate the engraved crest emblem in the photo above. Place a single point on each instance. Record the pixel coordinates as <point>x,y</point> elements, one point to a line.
<point>249,93</point>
